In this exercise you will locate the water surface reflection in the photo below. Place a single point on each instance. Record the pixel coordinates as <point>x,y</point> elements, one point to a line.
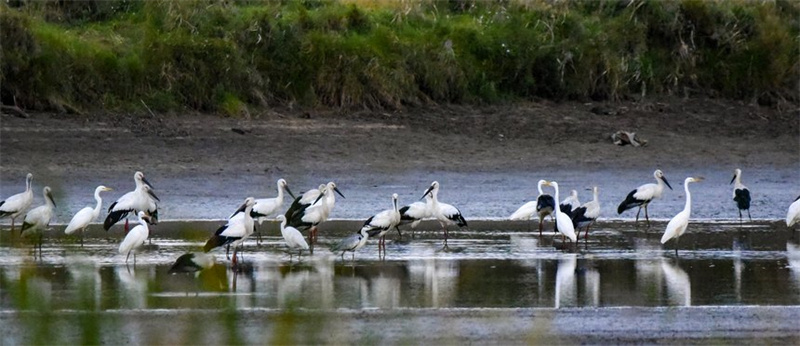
<point>568,281</point>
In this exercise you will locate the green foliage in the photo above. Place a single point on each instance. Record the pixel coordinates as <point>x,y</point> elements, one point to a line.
<point>228,56</point>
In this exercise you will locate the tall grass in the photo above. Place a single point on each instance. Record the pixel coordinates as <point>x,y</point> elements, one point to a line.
<point>226,57</point>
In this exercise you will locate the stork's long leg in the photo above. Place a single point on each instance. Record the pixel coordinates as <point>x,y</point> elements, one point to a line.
<point>646,216</point>
<point>637,214</point>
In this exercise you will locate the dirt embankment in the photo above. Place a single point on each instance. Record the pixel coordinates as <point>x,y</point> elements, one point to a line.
<point>460,138</point>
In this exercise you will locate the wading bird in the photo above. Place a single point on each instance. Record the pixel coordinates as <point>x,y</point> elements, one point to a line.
<point>677,226</point>
<point>414,213</point>
<point>793,215</point>
<point>293,238</point>
<point>351,243</point>
<point>38,219</point>
<point>379,224</point>
<point>16,205</point>
<point>142,198</point>
<point>563,222</point>
<point>643,195</point>
<point>741,194</point>
<point>587,214</point>
<point>569,204</point>
<point>135,238</point>
<point>85,216</point>
<point>542,206</point>
<point>445,213</point>
<point>235,232</point>
<point>310,216</point>
<point>269,207</point>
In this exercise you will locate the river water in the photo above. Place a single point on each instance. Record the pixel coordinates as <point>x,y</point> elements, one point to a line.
<point>493,265</point>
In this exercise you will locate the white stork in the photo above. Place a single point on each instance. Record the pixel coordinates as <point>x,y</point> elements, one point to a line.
<point>269,207</point>
<point>587,213</point>
<point>643,195</point>
<point>308,216</point>
<point>741,194</point>
<point>445,213</point>
<point>16,205</point>
<point>678,224</point>
<point>235,231</point>
<point>135,238</point>
<point>542,206</point>
<point>414,213</point>
<point>85,216</point>
<point>142,198</point>
<point>381,223</point>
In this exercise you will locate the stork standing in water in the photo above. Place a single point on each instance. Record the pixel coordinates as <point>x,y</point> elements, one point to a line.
<point>38,219</point>
<point>741,194</point>
<point>135,238</point>
<point>445,213</point>
<point>563,222</point>
<point>304,201</point>
<point>142,198</point>
<point>643,195</point>
<point>414,213</point>
<point>542,206</point>
<point>569,204</point>
<point>16,205</point>
<point>309,216</point>
<point>85,216</point>
<point>677,226</point>
<point>236,231</point>
<point>587,214</point>
<point>269,207</point>
<point>293,238</point>
<point>381,223</point>
<point>793,215</point>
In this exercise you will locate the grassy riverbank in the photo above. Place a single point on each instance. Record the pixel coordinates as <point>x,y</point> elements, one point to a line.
<point>231,57</point>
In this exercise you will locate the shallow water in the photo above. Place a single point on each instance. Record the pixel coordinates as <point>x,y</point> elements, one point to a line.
<point>497,282</point>
<point>718,264</point>
<point>479,195</point>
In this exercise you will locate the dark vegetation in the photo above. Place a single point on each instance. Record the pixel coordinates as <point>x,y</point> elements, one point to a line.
<point>231,56</point>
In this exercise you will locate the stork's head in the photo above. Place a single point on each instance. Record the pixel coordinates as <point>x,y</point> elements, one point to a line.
<point>736,173</point>
<point>660,175</point>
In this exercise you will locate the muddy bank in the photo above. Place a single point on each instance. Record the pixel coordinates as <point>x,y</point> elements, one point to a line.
<point>487,158</point>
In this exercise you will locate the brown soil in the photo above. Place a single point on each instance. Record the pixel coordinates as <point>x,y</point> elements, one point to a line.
<point>448,138</point>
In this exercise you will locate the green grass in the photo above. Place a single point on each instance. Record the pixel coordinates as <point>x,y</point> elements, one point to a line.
<point>229,57</point>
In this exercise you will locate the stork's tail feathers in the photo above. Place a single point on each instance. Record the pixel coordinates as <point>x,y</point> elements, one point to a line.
<point>153,217</point>
<point>460,221</point>
<point>628,203</point>
<point>216,241</point>
<point>114,217</point>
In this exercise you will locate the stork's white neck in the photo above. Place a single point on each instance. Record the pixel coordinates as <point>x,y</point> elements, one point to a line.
<point>280,193</point>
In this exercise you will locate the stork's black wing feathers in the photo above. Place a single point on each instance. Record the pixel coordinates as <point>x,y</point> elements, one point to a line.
<point>742,198</point>
<point>629,202</point>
